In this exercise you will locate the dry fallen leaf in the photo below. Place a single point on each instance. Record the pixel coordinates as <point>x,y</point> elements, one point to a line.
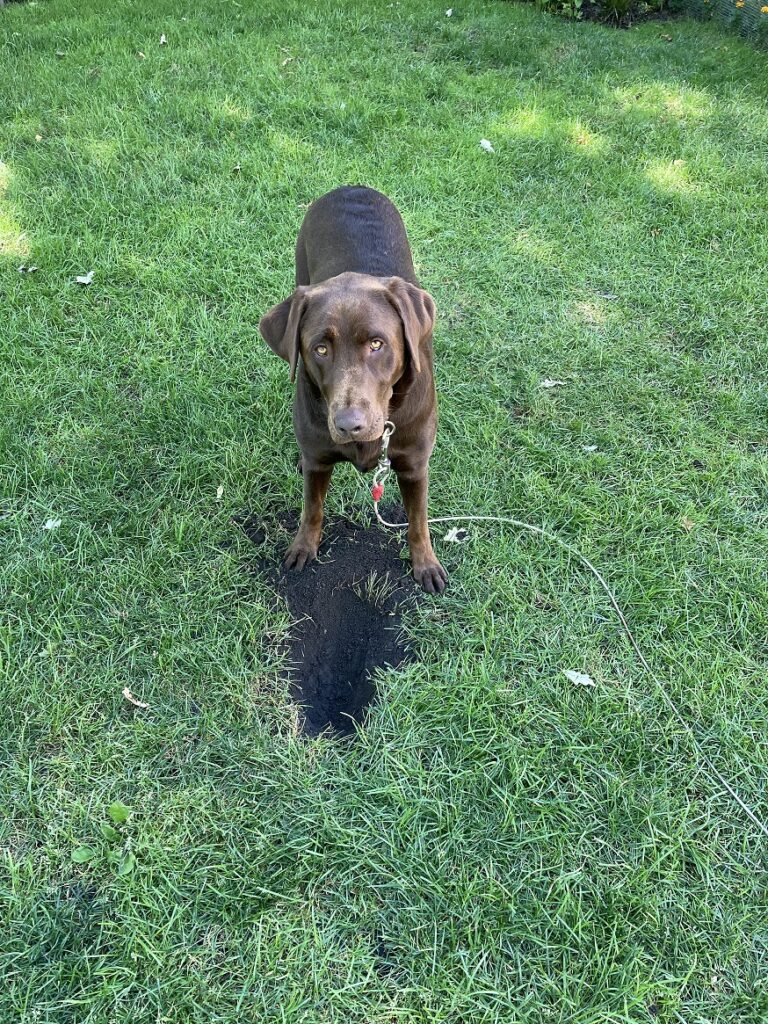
<point>140,55</point>
<point>485,144</point>
<point>85,278</point>
<point>449,12</point>
<point>667,39</point>
<point>589,447</point>
<point>133,700</point>
<point>578,678</point>
<point>286,61</point>
<point>687,524</point>
<point>548,383</point>
<point>678,163</point>
<point>457,535</point>
<point>163,40</point>
<point>38,138</point>
<point>219,492</point>
<point>52,524</point>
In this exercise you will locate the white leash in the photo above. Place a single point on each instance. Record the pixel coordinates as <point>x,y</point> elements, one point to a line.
<point>377,492</point>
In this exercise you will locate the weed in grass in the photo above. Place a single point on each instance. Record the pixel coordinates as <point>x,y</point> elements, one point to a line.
<point>375,589</point>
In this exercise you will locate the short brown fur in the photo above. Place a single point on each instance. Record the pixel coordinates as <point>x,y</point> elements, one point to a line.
<point>357,335</point>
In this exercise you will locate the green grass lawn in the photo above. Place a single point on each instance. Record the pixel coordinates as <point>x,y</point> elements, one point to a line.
<point>498,845</point>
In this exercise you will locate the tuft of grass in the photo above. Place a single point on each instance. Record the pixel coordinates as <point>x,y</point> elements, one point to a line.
<point>376,589</point>
<point>499,845</point>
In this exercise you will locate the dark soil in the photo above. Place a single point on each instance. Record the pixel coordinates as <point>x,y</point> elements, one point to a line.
<point>596,12</point>
<point>347,609</point>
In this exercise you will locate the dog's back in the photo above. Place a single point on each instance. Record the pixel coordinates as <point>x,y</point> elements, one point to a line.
<point>353,228</point>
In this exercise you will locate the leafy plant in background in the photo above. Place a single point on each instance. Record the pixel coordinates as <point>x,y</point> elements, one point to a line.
<point>749,17</point>
<point>640,8</point>
<point>617,10</point>
<point>115,846</point>
<point>568,8</point>
<point>620,12</point>
<point>565,8</point>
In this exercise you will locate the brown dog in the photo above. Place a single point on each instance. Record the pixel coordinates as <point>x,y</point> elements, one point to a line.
<point>357,334</point>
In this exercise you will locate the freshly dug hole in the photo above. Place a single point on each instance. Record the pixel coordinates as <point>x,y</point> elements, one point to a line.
<point>347,611</point>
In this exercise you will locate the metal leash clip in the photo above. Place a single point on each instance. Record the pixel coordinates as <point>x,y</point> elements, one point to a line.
<point>382,469</point>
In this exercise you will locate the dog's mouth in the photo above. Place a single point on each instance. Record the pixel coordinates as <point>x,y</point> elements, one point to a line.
<point>365,438</point>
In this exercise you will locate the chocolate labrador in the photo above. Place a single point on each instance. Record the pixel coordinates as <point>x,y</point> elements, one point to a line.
<point>357,335</point>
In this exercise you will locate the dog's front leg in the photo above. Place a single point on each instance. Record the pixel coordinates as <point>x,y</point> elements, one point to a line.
<point>426,569</point>
<point>307,540</point>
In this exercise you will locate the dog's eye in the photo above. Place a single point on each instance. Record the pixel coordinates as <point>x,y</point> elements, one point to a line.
<point>321,350</point>
<point>376,344</point>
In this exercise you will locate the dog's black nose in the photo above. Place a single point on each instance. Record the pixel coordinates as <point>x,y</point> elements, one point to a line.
<point>350,422</point>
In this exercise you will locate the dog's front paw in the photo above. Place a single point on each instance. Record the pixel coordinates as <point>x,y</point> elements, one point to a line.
<point>299,554</point>
<point>431,577</point>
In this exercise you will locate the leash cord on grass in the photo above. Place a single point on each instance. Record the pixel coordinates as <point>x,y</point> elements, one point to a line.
<point>539,531</point>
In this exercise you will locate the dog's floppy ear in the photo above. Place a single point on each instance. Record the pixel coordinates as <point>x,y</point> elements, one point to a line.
<point>417,312</point>
<point>280,327</point>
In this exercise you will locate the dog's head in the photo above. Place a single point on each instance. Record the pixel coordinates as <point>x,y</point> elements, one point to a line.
<point>355,334</point>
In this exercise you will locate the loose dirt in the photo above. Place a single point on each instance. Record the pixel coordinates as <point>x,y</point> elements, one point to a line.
<point>346,607</point>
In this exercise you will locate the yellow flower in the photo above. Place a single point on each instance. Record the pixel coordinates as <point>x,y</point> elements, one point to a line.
<point>764,10</point>
<point>739,3</point>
